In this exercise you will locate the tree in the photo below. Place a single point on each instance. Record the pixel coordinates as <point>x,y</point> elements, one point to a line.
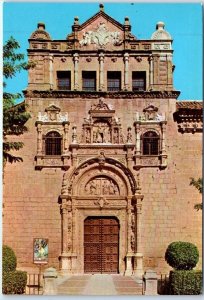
<point>14,116</point>
<point>198,184</point>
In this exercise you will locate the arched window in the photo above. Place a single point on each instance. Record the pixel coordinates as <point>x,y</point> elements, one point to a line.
<point>150,142</point>
<point>53,143</point>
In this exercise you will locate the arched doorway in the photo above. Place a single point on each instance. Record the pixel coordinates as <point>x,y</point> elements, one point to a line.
<point>101,245</point>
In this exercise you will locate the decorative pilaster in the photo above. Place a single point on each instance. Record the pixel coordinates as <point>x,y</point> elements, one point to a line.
<point>66,213</point>
<point>76,71</point>
<point>138,255</point>
<point>51,70</point>
<point>150,72</point>
<point>39,139</point>
<point>101,71</point>
<point>129,269</point>
<point>66,139</point>
<point>126,73</point>
<point>163,149</point>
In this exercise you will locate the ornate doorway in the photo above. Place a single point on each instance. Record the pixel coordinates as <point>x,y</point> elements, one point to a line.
<point>101,245</point>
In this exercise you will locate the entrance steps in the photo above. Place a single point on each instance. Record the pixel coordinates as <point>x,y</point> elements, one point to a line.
<point>99,284</point>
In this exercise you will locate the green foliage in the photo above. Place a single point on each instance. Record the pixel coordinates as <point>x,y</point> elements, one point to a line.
<point>9,260</point>
<point>183,282</point>
<point>182,255</point>
<point>198,184</point>
<point>14,116</point>
<point>14,282</point>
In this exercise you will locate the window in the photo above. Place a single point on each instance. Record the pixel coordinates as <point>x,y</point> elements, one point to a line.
<point>53,143</point>
<point>150,143</point>
<point>88,80</point>
<point>64,80</point>
<point>113,81</point>
<point>138,81</point>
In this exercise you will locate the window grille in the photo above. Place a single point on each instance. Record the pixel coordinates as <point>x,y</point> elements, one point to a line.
<point>88,81</point>
<point>64,80</point>
<point>138,81</point>
<point>53,143</point>
<point>113,81</point>
<point>150,143</point>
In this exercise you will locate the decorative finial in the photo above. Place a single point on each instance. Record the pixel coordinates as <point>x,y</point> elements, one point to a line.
<point>160,25</point>
<point>76,21</point>
<point>127,21</point>
<point>41,26</point>
<point>101,7</point>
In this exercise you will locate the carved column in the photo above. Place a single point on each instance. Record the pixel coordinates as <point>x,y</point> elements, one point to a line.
<point>101,71</point>
<point>39,139</point>
<point>126,73</point>
<point>163,145</point>
<point>51,70</point>
<point>66,138</point>
<point>151,72</point>
<point>129,268</point>
<point>76,71</point>
<point>66,213</point>
<point>138,256</point>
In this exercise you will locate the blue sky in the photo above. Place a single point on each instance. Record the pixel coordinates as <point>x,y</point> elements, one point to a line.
<point>183,21</point>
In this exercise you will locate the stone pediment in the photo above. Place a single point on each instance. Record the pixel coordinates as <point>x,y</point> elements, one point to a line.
<point>101,16</point>
<point>101,30</point>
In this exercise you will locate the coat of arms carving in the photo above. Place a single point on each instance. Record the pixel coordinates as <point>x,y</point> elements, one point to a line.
<point>101,37</point>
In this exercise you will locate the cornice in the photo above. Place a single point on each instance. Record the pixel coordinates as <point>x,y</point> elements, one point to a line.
<point>96,95</point>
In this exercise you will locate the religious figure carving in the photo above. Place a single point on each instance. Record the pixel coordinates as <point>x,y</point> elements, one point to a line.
<point>88,136</point>
<point>115,136</point>
<point>101,186</point>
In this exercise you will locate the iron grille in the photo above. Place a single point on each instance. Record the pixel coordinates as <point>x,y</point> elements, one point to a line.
<point>88,81</point>
<point>138,81</point>
<point>64,80</point>
<point>114,81</point>
<point>53,143</point>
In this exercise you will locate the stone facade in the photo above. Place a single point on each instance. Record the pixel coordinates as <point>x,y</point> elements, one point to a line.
<point>102,169</point>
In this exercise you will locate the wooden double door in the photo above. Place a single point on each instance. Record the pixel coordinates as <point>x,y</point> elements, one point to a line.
<point>101,245</point>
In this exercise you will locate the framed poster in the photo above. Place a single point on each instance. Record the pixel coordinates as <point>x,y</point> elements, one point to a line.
<point>40,251</point>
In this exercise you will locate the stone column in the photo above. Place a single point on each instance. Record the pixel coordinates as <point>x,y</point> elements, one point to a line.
<point>39,139</point>
<point>101,71</point>
<point>66,138</point>
<point>126,73</point>
<point>64,213</point>
<point>138,255</point>
<point>163,149</point>
<point>151,72</point>
<point>51,70</point>
<point>66,256</point>
<point>129,269</point>
<point>76,71</point>
<point>163,127</point>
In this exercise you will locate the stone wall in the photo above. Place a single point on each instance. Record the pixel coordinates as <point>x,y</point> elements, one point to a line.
<point>31,208</point>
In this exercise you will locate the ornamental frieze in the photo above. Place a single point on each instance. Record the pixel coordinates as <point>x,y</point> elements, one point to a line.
<point>106,95</point>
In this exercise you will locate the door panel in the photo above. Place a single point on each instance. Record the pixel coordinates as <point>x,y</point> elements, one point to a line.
<point>101,244</point>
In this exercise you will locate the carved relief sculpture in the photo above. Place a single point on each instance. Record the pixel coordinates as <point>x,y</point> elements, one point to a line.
<point>101,186</point>
<point>101,37</point>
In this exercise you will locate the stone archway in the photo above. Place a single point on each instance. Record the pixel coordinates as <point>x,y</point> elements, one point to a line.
<point>99,189</point>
